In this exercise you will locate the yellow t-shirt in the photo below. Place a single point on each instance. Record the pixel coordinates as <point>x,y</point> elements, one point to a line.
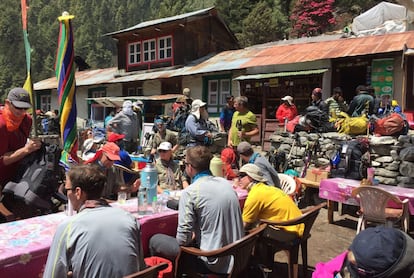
<point>249,122</point>
<point>271,203</point>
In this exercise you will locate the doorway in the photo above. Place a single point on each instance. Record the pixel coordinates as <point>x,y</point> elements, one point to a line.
<point>349,78</point>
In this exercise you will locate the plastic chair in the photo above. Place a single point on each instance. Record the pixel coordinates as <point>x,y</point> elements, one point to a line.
<point>375,207</point>
<point>240,250</point>
<point>292,247</point>
<point>287,184</point>
<point>150,272</point>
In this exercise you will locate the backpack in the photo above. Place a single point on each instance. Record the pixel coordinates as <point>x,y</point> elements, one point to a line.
<point>180,117</point>
<point>352,125</point>
<point>38,178</point>
<point>318,120</point>
<point>393,124</point>
<point>352,160</point>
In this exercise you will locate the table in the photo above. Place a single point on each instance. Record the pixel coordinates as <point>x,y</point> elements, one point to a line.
<point>340,189</point>
<point>24,244</point>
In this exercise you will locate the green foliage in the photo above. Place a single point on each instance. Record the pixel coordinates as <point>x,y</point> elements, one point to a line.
<point>251,21</point>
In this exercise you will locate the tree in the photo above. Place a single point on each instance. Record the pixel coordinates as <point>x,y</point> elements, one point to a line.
<point>312,17</point>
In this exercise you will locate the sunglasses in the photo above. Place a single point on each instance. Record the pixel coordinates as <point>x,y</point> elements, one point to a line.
<point>242,175</point>
<point>65,190</point>
<point>17,108</point>
<point>162,151</point>
<point>187,163</point>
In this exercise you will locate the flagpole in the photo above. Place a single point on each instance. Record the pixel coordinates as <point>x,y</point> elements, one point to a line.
<point>28,84</point>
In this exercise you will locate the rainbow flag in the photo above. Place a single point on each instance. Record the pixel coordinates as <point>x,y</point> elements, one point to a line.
<point>65,73</point>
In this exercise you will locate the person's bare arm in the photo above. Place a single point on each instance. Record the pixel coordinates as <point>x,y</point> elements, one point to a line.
<point>31,146</point>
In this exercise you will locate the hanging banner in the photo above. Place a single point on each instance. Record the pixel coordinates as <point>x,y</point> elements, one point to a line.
<point>382,76</point>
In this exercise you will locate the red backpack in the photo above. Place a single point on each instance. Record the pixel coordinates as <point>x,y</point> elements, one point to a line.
<point>392,124</point>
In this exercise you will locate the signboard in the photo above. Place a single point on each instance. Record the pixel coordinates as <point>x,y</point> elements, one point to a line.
<point>382,76</point>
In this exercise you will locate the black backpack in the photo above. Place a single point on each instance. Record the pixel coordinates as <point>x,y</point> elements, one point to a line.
<point>352,160</point>
<point>180,117</point>
<point>319,120</point>
<point>38,178</point>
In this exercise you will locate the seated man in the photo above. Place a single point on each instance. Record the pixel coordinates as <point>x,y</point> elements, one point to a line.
<point>105,158</point>
<point>170,175</point>
<point>209,215</point>
<point>247,154</point>
<point>163,135</point>
<point>100,241</point>
<point>197,125</point>
<point>375,252</point>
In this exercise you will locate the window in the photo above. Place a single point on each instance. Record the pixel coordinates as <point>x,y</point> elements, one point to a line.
<point>45,102</point>
<point>217,91</point>
<point>135,53</point>
<point>164,48</point>
<point>97,111</point>
<point>149,50</point>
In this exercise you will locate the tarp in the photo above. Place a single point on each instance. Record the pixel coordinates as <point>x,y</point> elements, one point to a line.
<point>378,15</point>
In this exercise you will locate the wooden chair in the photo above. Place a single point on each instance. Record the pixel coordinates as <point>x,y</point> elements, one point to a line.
<point>292,247</point>
<point>375,207</point>
<point>240,250</point>
<point>150,272</point>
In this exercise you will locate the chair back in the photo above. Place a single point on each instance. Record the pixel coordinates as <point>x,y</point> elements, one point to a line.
<point>119,172</point>
<point>287,184</point>
<point>240,250</point>
<point>150,272</point>
<point>374,201</point>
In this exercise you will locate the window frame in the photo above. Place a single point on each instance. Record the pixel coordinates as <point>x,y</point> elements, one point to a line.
<point>216,99</point>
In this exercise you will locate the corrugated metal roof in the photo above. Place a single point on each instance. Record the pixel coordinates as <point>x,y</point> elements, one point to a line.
<point>117,101</point>
<point>255,56</point>
<point>280,74</point>
<point>162,20</point>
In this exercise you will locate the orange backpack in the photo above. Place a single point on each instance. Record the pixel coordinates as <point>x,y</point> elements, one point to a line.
<point>389,125</point>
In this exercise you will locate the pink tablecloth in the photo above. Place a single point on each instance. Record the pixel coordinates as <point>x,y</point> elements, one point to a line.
<point>339,190</point>
<point>24,244</point>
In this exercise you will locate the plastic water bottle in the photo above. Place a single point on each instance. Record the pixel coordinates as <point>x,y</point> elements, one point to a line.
<point>142,201</point>
<point>154,205</point>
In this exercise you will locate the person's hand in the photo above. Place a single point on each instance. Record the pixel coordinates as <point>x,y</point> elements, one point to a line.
<point>230,144</point>
<point>135,186</point>
<point>33,145</point>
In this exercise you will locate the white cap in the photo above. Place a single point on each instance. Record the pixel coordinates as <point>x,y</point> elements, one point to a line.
<point>288,99</point>
<point>166,146</point>
<point>195,107</point>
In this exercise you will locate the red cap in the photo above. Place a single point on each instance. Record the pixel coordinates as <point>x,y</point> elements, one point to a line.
<point>111,150</point>
<point>113,137</point>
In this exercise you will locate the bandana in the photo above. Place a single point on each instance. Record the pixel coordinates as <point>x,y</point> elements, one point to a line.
<point>12,121</point>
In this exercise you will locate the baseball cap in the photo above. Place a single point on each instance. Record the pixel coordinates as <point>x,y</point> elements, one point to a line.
<point>166,146</point>
<point>252,171</point>
<point>288,99</point>
<point>377,250</point>
<point>20,98</point>
<point>244,147</point>
<point>111,150</point>
<point>195,107</point>
<point>113,137</point>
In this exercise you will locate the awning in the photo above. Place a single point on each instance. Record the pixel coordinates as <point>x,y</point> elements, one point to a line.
<point>117,101</point>
<point>279,74</point>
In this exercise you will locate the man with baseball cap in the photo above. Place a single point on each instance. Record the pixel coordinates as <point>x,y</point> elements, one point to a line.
<point>15,126</point>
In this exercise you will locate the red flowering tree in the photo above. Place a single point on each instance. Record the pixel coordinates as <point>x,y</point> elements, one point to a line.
<point>312,17</point>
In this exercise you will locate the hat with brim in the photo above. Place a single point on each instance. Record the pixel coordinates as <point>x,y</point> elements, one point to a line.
<point>253,171</point>
<point>195,107</point>
<point>20,98</point>
<point>244,147</point>
<point>289,99</point>
<point>111,150</point>
<point>165,146</point>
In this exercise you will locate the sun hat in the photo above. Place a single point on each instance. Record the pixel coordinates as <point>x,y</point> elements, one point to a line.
<point>111,150</point>
<point>244,147</point>
<point>377,251</point>
<point>288,99</point>
<point>252,171</point>
<point>113,137</point>
<point>166,146</point>
<point>20,98</point>
<point>195,107</point>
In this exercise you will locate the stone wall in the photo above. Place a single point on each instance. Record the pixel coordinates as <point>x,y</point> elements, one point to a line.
<point>392,158</point>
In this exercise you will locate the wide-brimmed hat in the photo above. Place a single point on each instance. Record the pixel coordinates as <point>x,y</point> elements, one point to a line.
<point>20,98</point>
<point>253,171</point>
<point>111,150</point>
<point>288,99</point>
<point>195,107</point>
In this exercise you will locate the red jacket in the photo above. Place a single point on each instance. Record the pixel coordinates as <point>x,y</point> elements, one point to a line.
<point>286,111</point>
